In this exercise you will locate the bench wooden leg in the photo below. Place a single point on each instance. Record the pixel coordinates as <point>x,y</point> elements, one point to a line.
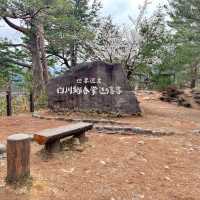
<point>82,137</point>
<point>53,147</point>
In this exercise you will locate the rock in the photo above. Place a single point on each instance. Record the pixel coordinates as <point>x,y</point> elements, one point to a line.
<point>196,96</point>
<point>70,171</point>
<point>191,149</point>
<point>196,131</point>
<point>166,167</point>
<point>141,142</point>
<point>138,196</point>
<point>95,86</point>
<point>144,159</point>
<point>79,148</point>
<point>185,104</point>
<point>2,148</point>
<point>167,178</point>
<point>173,94</point>
<point>102,162</point>
<point>76,141</point>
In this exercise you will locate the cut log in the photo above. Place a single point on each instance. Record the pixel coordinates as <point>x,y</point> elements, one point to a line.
<point>18,158</point>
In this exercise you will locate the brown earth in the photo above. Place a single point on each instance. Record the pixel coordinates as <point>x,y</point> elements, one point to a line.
<point>115,167</point>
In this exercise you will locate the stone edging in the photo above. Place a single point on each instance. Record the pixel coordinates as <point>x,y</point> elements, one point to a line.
<point>94,121</point>
<point>131,131</point>
<point>113,128</point>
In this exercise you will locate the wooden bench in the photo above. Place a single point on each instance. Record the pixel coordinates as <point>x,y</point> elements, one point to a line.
<point>51,137</point>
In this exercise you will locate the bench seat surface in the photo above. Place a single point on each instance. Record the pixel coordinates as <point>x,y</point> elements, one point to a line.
<point>46,135</point>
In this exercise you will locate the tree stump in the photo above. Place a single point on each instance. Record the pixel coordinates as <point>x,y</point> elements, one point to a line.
<point>18,158</point>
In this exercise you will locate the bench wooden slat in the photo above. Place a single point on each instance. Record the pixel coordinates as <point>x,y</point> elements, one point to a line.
<point>47,135</point>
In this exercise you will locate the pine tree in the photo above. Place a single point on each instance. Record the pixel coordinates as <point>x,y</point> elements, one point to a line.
<point>32,14</point>
<point>69,33</point>
<point>185,20</point>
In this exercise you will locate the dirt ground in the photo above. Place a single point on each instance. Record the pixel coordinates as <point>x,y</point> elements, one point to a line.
<point>115,167</point>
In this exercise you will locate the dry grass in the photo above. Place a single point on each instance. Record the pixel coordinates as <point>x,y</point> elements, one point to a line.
<point>20,104</point>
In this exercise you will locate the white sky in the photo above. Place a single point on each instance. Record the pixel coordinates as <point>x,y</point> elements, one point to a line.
<point>121,9</point>
<point>118,9</point>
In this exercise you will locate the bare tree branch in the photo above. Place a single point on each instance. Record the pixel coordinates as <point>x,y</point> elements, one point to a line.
<point>16,27</point>
<point>39,10</point>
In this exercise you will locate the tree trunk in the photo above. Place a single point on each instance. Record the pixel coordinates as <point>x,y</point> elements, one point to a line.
<point>40,30</point>
<point>9,99</point>
<point>194,72</point>
<point>73,55</point>
<point>38,78</point>
<point>193,83</point>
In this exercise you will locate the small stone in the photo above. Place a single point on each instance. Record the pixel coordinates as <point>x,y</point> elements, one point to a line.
<point>2,148</point>
<point>79,148</point>
<point>102,162</point>
<point>191,149</point>
<point>142,173</point>
<point>144,160</point>
<point>157,133</point>
<point>167,178</point>
<point>166,167</point>
<point>138,196</point>
<point>141,142</point>
<point>129,181</point>
<point>196,131</point>
<point>68,171</point>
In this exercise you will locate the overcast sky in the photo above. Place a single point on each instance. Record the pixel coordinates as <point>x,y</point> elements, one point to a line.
<point>118,9</point>
<point>121,9</point>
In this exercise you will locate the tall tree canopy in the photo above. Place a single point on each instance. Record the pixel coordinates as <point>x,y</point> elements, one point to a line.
<point>60,29</point>
<point>185,20</point>
<point>31,16</point>
<point>69,34</point>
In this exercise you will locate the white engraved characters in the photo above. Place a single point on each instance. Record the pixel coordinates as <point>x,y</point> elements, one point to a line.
<point>89,86</point>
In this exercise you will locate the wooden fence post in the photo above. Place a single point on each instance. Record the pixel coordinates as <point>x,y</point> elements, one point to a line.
<point>18,158</point>
<point>31,100</point>
<point>9,103</point>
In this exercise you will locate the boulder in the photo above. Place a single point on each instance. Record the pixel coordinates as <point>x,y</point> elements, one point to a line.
<point>95,86</point>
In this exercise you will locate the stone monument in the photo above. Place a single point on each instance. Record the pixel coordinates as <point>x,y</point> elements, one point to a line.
<point>95,86</point>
